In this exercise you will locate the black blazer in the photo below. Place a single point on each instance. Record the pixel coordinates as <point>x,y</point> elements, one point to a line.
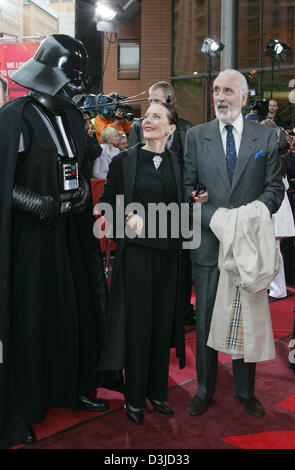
<point>120,180</point>
<point>122,172</point>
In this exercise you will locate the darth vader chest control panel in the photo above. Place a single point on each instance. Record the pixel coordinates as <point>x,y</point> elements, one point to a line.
<point>68,165</point>
<point>69,175</point>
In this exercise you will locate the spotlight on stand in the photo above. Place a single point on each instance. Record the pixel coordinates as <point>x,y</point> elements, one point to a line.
<point>105,14</point>
<point>210,48</point>
<point>275,49</point>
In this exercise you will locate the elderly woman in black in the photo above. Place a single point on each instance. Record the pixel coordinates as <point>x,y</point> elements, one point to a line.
<point>145,317</point>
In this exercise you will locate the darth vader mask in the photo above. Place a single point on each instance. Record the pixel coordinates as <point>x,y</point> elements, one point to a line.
<point>58,69</point>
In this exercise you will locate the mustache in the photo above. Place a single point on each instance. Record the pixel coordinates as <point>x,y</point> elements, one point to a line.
<point>222,104</point>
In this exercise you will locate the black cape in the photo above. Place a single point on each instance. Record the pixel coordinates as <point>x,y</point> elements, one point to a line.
<point>53,293</point>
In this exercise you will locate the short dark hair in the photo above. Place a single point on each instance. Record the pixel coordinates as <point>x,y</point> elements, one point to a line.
<point>171,114</point>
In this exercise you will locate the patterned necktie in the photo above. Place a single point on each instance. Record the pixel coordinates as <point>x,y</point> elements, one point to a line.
<point>231,154</point>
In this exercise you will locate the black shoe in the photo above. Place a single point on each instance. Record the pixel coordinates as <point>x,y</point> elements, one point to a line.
<point>161,408</point>
<point>136,416</point>
<point>30,437</point>
<point>251,406</point>
<point>86,403</point>
<point>197,406</point>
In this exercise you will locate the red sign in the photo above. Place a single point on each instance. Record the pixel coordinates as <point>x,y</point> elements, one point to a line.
<point>12,57</point>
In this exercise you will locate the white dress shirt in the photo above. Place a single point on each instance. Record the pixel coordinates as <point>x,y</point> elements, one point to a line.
<point>238,126</point>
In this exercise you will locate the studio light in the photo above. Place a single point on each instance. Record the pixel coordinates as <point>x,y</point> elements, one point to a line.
<point>210,47</point>
<point>275,49</point>
<point>105,12</point>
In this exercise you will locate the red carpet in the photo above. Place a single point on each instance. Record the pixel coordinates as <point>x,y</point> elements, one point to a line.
<point>282,316</point>
<point>264,440</point>
<point>224,426</point>
<point>288,403</point>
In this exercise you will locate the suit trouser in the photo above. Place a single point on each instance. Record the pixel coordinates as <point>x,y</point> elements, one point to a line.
<point>206,282</point>
<point>150,283</point>
<point>186,281</point>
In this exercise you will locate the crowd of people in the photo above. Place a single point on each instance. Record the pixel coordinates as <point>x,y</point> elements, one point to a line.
<point>64,333</point>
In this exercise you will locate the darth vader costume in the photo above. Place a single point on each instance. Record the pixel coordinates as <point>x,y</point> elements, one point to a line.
<point>53,292</point>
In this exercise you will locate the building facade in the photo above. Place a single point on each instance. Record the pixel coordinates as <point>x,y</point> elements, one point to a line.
<point>145,41</point>
<point>11,17</point>
<point>39,19</point>
<point>252,24</point>
<point>162,39</point>
<point>171,32</point>
<point>66,15</point>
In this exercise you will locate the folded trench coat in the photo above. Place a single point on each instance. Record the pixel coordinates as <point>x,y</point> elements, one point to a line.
<point>248,258</point>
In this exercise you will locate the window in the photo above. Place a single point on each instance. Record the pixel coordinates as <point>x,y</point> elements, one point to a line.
<point>253,24</point>
<point>253,7</point>
<point>128,59</point>
<point>275,18</point>
<point>290,15</point>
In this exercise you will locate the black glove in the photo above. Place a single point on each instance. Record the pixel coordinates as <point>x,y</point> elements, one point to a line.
<point>80,203</point>
<point>44,208</point>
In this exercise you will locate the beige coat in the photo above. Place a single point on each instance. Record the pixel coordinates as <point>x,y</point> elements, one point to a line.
<point>248,258</point>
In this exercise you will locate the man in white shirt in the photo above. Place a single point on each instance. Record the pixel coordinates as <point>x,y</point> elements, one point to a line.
<point>236,159</point>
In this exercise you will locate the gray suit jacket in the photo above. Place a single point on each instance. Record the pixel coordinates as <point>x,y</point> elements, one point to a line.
<point>257,176</point>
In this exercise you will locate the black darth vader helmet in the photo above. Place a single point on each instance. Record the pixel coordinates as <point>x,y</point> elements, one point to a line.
<point>59,67</point>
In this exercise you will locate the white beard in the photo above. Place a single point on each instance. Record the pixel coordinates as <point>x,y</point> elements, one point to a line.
<point>229,115</point>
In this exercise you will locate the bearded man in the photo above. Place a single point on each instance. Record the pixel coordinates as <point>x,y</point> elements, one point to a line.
<point>237,160</point>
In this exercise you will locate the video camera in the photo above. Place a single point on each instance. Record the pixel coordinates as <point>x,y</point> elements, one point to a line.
<point>261,107</point>
<point>107,105</point>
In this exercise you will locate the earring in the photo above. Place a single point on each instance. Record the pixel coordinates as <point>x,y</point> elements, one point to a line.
<point>168,133</point>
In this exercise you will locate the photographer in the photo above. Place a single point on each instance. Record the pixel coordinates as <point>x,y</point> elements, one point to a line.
<point>112,116</point>
<point>273,114</point>
<point>259,107</point>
